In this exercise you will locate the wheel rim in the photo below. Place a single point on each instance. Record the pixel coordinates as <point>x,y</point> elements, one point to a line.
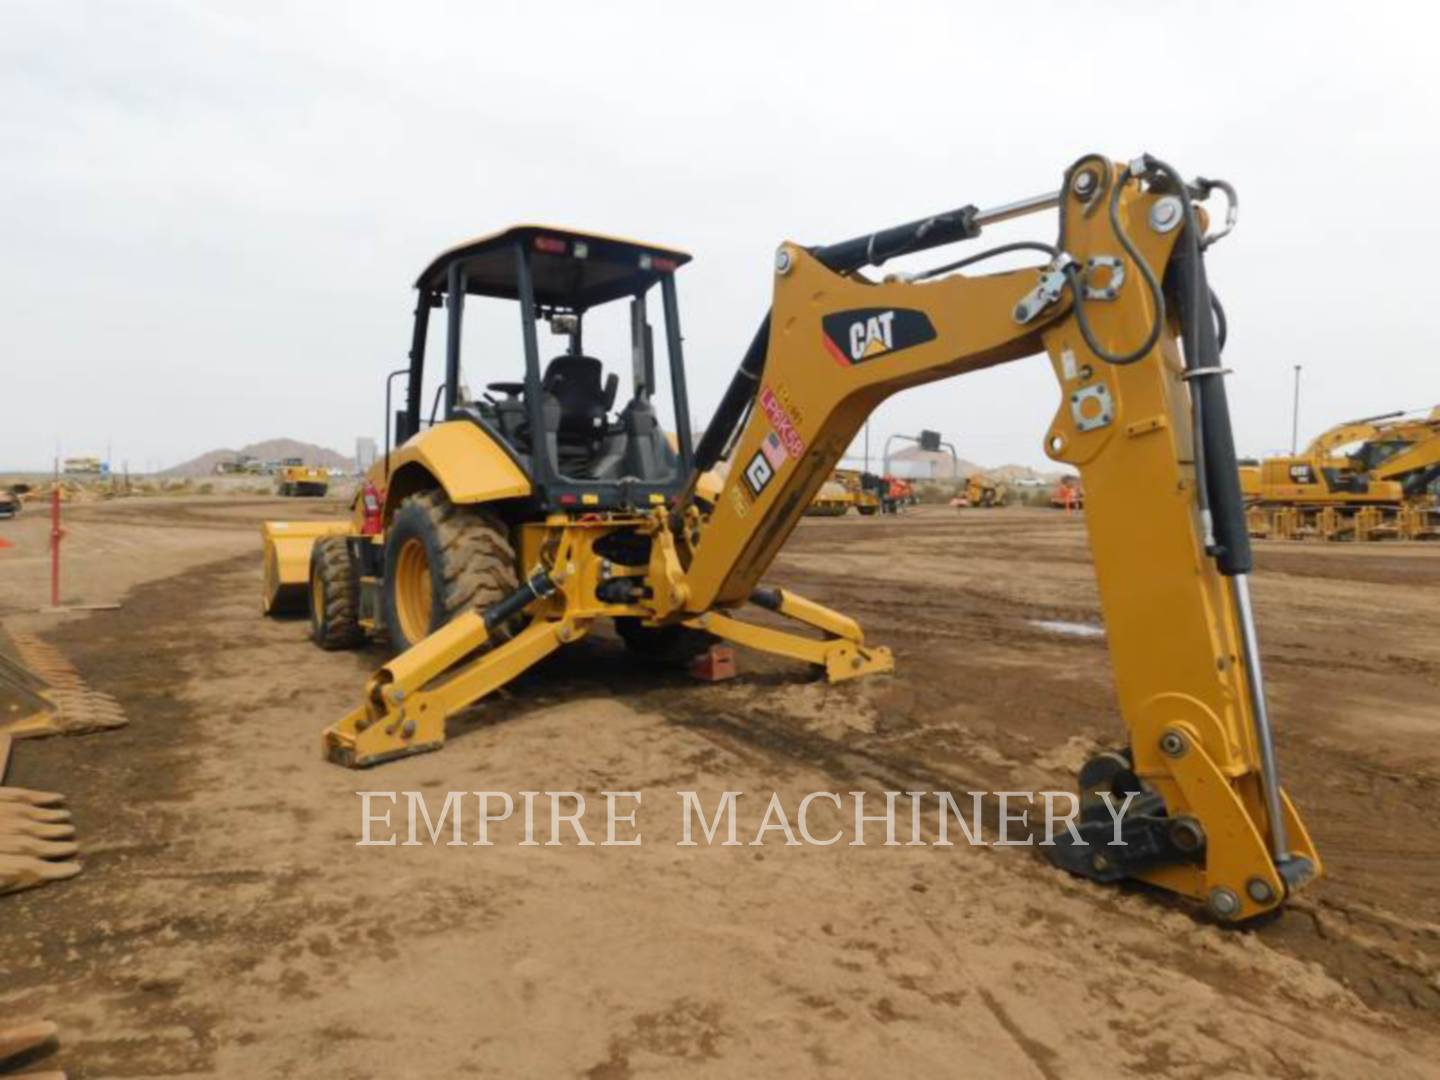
<point>412,590</point>
<point>317,600</point>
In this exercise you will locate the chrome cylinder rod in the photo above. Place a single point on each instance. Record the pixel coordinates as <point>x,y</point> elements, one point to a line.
<point>1269,773</point>
<point>1022,207</point>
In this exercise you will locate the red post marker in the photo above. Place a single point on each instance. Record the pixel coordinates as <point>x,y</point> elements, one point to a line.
<point>55,535</point>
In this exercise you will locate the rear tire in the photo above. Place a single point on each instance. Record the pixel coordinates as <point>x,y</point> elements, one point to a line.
<point>442,559</point>
<point>334,595</point>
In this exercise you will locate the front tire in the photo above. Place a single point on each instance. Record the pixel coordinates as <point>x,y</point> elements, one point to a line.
<point>334,595</point>
<point>442,559</point>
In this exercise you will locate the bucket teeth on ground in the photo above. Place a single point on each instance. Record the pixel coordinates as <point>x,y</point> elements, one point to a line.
<point>15,811</point>
<point>37,848</point>
<point>38,830</point>
<point>28,797</point>
<point>20,872</point>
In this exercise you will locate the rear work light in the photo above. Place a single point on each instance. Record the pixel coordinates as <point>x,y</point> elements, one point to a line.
<point>550,245</point>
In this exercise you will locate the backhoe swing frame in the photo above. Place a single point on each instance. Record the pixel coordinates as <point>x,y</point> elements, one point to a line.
<point>1148,432</point>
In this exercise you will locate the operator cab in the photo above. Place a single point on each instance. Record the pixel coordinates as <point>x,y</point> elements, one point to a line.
<point>596,448</point>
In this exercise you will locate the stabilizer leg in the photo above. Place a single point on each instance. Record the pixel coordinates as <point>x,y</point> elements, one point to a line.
<point>408,700</point>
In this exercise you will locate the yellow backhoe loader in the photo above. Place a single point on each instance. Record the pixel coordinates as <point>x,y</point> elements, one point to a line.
<point>512,525</point>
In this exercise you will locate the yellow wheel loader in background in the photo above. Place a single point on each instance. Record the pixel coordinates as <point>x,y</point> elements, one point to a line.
<point>511,525</point>
<point>833,499</point>
<point>846,488</point>
<point>294,477</point>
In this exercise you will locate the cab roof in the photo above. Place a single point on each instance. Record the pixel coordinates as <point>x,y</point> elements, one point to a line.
<point>568,269</point>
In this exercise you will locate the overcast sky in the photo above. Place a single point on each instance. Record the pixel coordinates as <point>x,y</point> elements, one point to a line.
<point>211,214</point>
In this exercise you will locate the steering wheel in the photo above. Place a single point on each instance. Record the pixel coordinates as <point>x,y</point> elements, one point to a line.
<point>511,390</point>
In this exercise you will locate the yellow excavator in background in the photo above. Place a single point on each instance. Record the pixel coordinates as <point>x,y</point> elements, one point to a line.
<point>1385,487</point>
<point>504,531</point>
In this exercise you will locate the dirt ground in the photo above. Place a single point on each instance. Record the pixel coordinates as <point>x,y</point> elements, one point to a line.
<point>227,923</point>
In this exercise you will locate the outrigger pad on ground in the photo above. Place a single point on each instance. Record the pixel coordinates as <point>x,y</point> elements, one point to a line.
<point>714,664</point>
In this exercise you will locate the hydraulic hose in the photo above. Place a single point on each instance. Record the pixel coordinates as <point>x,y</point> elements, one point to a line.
<point>1003,249</point>
<point>1217,473</point>
<point>1072,275</point>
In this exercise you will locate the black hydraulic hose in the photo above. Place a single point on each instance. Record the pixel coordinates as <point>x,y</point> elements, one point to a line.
<point>1003,249</point>
<point>1072,275</point>
<point>1217,473</point>
<point>1222,324</point>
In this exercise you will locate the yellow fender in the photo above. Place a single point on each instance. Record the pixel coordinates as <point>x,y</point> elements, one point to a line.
<point>458,457</point>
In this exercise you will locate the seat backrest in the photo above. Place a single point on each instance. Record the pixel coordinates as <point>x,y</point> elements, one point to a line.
<point>575,383</point>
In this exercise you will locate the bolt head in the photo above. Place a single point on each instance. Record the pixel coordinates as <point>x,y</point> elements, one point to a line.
<point>1187,834</point>
<point>1083,184</point>
<point>1223,903</point>
<point>1172,744</point>
<point>408,730</point>
<point>783,261</point>
<point>1165,214</point>
<point>1259,890</point>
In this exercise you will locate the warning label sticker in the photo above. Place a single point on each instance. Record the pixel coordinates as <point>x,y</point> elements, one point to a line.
<point>781,422</point>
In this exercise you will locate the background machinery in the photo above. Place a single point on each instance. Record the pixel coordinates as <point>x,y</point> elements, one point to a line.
<point>848,488</point>
<point>981,490</point>
<point>896,493</point>
<point>1067,494</point>
<point>833,499</point>
<point>294,477</point>
<point>509,527</point>
<point>1368,479</point>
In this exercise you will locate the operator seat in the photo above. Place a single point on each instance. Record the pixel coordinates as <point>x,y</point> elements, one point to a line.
<point>574,383</point>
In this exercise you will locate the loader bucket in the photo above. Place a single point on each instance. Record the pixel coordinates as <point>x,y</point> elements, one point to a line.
<point>287,561</point>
